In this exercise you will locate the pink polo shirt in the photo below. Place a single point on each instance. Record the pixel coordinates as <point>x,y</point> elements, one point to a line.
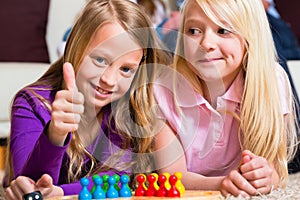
<point>210,138</point>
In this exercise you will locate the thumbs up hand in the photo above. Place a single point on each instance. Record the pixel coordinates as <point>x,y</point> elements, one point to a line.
<point>66,109</point>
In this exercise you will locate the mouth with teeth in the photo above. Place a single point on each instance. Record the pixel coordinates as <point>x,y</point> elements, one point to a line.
<point>102,91</point>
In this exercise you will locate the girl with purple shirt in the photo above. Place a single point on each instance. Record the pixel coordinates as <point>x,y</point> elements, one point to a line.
<point>91,112</point>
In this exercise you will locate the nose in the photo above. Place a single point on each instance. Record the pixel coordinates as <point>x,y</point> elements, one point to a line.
<point>208,41</point>
<point>109,76</point>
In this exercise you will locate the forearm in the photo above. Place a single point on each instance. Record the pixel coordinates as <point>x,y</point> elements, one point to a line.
<point>275,178</point>
<point>44,158</point>
<point>193,181</point>
<point>28,120</point>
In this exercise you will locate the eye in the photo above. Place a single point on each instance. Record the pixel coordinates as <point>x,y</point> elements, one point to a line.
<point>127,71</point>
<point>223,31</point>
<point>101,61</point>
<point>193,31</point>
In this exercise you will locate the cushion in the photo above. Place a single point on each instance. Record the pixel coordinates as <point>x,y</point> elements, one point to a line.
<point>23,30</point>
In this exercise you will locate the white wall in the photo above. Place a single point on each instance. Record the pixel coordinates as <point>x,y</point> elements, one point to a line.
<point>294,68</point>
<point>15,75</point>
<point>62,14</point>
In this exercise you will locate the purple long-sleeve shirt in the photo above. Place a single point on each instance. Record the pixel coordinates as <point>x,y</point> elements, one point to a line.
<point>31,151</point>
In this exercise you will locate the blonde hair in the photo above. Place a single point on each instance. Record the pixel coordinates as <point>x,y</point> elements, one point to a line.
<point>263,128</point>
<point>137,103</point>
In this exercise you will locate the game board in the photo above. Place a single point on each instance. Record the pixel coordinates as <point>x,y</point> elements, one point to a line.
<point>189,195</point>
<point>162,186</point>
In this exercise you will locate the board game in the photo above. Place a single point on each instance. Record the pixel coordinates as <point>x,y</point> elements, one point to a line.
<point>163,186</point>
<point>188,195</point>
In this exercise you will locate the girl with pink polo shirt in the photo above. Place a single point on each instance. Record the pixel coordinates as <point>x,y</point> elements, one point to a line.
<point>228,120</point>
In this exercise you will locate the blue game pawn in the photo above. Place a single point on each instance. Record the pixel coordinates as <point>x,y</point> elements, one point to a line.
<point>98,192</point>
<point>84,193</point>
<point>125,190</point>
<point>112,192</point>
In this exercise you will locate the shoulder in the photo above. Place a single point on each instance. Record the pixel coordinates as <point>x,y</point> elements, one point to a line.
<point>282,77</point>
<point>284,88</point>
<point>171,86</point>
<point>33,98</point>
<point>163,85</point>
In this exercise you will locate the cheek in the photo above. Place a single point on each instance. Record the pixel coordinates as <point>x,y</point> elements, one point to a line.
<point>242,53</point>
<point>84,70</point>
<point>81,77</point>
<point>191,49</point>
<point>88,70</point>
<point>237,55</point>
<point>237,50</point>
<point>124,85</point>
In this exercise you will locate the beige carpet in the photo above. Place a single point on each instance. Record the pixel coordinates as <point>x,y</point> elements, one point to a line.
<point>291,192</point>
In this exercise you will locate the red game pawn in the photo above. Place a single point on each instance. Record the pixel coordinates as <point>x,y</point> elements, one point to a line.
<point>162,191</point>
<point>140,191</point>
<point>151,191</point>
<point>173,192</point>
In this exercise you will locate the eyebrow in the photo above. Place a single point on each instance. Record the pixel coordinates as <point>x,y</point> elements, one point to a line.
<point>132,65</point>
<point>111,58</point>
<point>101,52</point>
<point>192,20</point>
<point>196,20</point>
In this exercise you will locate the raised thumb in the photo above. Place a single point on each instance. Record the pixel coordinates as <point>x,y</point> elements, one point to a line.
<point>69,76</point>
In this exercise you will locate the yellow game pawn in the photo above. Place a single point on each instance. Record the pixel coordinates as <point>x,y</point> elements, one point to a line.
<point>167,183</point>
<point>155,182</point>
<point>180,187</point>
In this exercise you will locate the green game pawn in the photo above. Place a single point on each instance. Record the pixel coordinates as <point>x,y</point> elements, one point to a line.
<point>117,177</point>
<point>94,186</point>
<point>125,190</point>
<point>105,182</point>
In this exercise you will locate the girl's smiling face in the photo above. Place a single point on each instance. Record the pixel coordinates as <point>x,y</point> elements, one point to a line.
<point>109,66</point>
<point>212,52</point>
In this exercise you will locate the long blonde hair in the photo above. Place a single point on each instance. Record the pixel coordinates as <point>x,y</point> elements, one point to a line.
<point>263,128</point>
<point>136,104</point>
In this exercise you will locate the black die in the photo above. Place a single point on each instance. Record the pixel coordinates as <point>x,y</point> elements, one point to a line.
<point>33,196</point>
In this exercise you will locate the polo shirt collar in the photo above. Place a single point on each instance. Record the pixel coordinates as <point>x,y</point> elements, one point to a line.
<point>187,97</point>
